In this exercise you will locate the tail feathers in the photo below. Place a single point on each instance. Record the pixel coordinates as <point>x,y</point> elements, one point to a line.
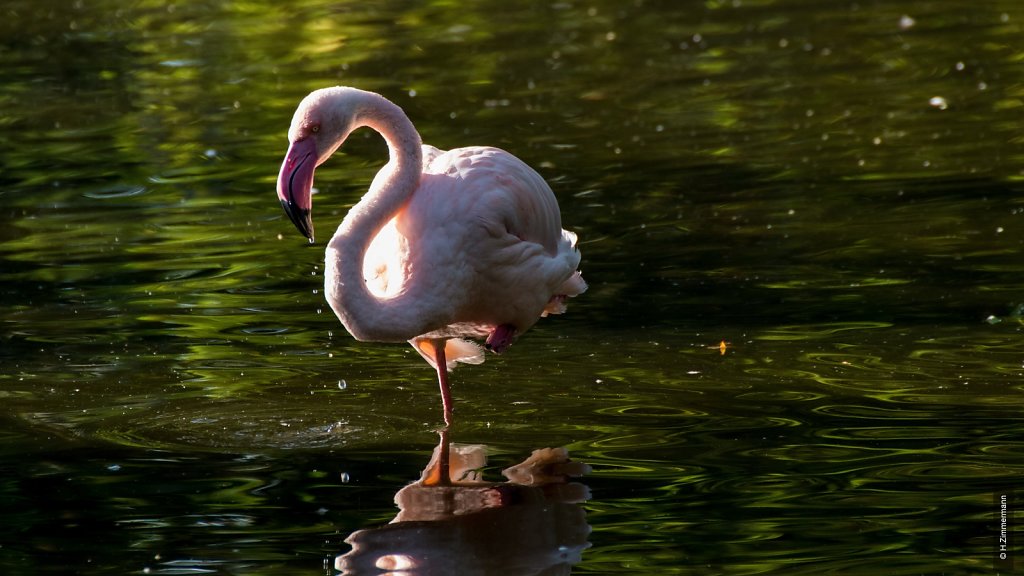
<point>574,286</point>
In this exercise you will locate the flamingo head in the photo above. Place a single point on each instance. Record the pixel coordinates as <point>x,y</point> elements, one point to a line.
<point>321,124</point>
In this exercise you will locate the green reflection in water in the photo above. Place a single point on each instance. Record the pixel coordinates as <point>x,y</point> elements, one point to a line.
<point>771,174</point>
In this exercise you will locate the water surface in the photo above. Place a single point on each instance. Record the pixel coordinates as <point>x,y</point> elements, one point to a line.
<point>833,191</point>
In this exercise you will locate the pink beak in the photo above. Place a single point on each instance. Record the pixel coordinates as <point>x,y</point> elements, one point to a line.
<point>295,184</point>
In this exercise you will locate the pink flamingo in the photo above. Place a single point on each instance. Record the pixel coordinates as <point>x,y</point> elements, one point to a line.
<point>444,246</point>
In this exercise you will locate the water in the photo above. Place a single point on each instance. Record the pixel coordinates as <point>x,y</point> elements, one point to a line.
<point>833,191</point>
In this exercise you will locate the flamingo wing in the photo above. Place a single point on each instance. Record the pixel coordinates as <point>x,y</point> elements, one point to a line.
<point>484,230</point>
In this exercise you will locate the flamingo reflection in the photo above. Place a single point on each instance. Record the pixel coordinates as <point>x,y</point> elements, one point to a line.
<point>532,524</point>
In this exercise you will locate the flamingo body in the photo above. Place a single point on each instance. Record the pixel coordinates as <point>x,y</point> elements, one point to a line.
<point>484,232</point>
<point>444,246</point>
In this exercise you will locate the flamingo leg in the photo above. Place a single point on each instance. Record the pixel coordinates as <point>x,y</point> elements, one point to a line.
<point>443,457</point>
<point>442,380</point>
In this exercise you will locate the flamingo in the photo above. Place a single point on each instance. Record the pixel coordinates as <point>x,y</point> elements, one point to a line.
<point>443,248</point>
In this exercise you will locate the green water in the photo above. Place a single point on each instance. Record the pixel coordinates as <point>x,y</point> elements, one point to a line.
<point>834,189</point>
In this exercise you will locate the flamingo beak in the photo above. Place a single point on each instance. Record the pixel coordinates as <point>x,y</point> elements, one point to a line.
<point>295,184</point>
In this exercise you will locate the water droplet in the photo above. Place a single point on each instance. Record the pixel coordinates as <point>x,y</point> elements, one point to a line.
<point>939,102</point>
<point>342,384</point>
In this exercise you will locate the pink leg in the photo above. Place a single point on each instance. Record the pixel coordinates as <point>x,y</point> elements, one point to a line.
<point>446,403</point>
<point>442,380</point>
<point>500,338</point>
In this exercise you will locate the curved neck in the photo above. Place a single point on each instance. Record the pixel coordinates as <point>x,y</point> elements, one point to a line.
<point>366,316</point>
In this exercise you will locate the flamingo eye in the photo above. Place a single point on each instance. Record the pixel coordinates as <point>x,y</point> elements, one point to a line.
<point>314,128</point>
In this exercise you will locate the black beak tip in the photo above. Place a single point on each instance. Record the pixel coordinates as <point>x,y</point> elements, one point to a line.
<point>301,218</point>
